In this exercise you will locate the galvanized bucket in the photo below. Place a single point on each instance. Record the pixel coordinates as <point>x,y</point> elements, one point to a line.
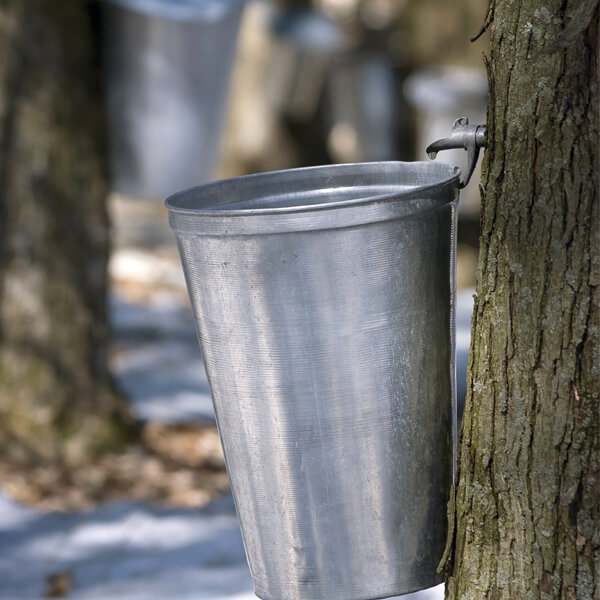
<point>324,303</point>
<point>168,66</point>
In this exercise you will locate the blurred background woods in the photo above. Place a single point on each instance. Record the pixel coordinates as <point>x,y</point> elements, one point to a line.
<point>313,82</point>
<point>324,81</point>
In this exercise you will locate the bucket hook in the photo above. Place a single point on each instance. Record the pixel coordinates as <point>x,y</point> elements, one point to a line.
<point>469,137</point>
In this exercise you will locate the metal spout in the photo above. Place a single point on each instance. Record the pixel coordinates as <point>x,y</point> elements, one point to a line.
<point>469,137</point>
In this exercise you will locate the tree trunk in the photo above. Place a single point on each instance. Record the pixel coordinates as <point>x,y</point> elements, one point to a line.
<point>528,497</point>
<point>56,397</point>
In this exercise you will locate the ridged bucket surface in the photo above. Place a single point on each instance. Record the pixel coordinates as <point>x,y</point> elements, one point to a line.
<point>324,303</point>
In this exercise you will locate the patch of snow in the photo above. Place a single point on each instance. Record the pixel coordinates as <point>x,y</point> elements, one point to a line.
<point>126,551</point>
<point>163,314</point>
<point>13,514</point>
<point>165,381</point>
<point>146,267</point>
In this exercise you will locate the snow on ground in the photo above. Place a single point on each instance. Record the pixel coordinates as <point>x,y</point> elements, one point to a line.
<point>125,551</point>
<point>158,362</point>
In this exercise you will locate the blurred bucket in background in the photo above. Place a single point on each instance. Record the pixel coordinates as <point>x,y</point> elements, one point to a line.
<point>324,302</point>
<point>363,108</point>
<point>168,66</point>
<point>317,69</point>
<point>304,44</point>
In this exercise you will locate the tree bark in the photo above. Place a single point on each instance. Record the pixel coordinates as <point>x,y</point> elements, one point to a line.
<point>528,496</point>
<point>56,397</point>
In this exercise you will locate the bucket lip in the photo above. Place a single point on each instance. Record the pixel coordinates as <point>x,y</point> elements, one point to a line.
<point>307,29</point>
<point>453,178</point>
<point>180,10</point>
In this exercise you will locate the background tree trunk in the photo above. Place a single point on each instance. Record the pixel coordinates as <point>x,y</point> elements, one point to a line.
<point>528,495</point>
<point>56,397</point>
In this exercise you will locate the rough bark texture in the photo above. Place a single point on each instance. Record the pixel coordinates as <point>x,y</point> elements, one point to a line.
<point>56,398</point>
<point>528,497</point>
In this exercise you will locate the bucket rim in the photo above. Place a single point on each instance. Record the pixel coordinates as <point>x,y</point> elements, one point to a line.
<point>452,179</point>
<point>190,11</point>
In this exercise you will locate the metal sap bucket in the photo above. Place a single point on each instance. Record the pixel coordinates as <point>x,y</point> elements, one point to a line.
<point>168,66</point>
<point>324,303</point>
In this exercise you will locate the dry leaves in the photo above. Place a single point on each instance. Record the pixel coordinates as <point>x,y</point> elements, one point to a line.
<point>178,465</point>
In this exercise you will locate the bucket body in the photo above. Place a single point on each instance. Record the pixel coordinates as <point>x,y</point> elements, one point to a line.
<point>168,66</point>
<point>324,303</point>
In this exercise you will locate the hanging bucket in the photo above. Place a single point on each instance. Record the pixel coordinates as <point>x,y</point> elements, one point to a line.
<point>324,303</point>
<point>168,66</point>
